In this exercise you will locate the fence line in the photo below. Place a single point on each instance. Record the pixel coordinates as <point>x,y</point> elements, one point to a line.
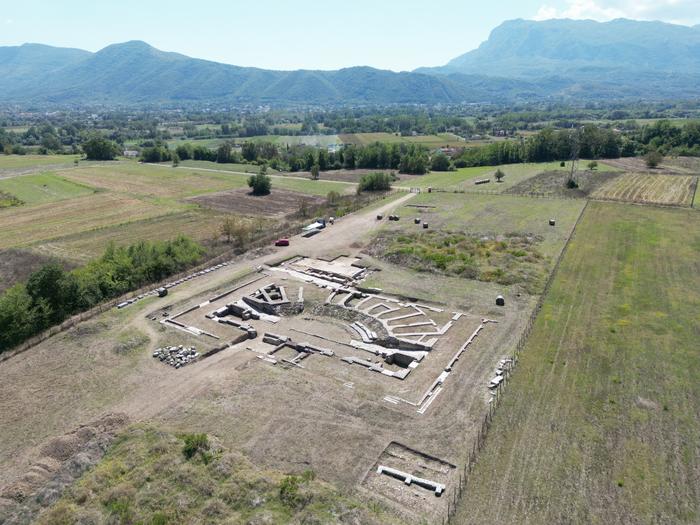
<point>480,440</point>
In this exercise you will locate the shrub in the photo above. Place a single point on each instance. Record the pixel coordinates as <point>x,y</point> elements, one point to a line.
<point>194,443</point>
<point>592,165</point>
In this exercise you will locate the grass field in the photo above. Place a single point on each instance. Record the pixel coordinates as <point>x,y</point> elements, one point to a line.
<point>495,220</point>
<point>654,189</point>
<point>430,141</point>
<point>25,161</point>
<point>154,181</point>
<point>242,168</point>
<point>494,214</point>
<point>463,179</point>
<point>43,187</point>
<point>600,423</point>
<point>282,140</point>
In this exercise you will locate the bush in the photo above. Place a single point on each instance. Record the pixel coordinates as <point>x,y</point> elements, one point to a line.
<point>592,165</point>
<point>194,443</point>
<point>374,182</point>
<point>261,184</point>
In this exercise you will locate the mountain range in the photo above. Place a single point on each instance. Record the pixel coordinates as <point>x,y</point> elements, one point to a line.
<point>522,60</point>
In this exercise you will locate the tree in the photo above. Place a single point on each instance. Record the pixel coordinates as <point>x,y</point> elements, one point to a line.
<point>592,165</point>
<point>176,160</point>
<point>99,148</point>
<point>499,175</point>
<point>440,162</point>
<point>260,183</point>
<point>653,159</point>
<point>374,182</point>
<point>236,229</point>
<point>332,198</point>
<point>314,172</point>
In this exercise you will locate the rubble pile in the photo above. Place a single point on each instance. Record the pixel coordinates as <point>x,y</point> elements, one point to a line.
<point>176,356</point>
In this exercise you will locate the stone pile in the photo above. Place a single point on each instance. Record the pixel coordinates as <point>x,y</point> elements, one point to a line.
<point>176,356</point>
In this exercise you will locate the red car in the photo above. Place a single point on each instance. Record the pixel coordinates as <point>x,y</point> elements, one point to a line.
<point>282,242</point>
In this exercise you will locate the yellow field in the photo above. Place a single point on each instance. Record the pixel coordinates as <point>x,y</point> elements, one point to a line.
<point>652,189</point>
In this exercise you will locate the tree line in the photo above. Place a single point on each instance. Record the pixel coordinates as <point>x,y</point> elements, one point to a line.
<point>51,294</point>
<point>404,158</point>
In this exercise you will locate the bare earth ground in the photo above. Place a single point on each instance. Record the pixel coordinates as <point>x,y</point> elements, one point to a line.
<point>278,204</point>
<point>329,416</point>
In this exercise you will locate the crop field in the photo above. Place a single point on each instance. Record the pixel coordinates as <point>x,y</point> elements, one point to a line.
<point>599,423</point>
<point>25,225</point>
<point>43,187</point>
<point>464,178</point>
<point>652,189</point>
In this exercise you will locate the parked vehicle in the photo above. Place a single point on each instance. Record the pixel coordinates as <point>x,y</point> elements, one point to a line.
<point>282,242</point>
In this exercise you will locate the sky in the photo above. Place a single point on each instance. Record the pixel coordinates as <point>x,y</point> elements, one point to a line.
<point>400,35</point>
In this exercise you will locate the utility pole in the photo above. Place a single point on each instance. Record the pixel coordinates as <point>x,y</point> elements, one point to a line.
<point>575,149</point>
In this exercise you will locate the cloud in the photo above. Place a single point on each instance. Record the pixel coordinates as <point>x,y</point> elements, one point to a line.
<point>8,21</point>
<point>676,11</point>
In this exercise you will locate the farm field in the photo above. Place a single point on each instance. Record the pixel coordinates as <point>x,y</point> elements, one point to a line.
<point>154,181</point>
<point>43,187</point>
<point>599,423</point>
<point>650,189</point>
<point>242,168</point>
<point>29,224</point>
<point>294,140</point>
<point>201,225</point>
<point>11,162</point>
<point>430,141</point>
<point>463,178</point>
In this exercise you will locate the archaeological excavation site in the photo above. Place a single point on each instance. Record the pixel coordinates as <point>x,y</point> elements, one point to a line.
<point>327,362</point>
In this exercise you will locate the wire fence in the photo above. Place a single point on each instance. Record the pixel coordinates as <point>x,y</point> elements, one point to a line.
<point>463,480</point>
